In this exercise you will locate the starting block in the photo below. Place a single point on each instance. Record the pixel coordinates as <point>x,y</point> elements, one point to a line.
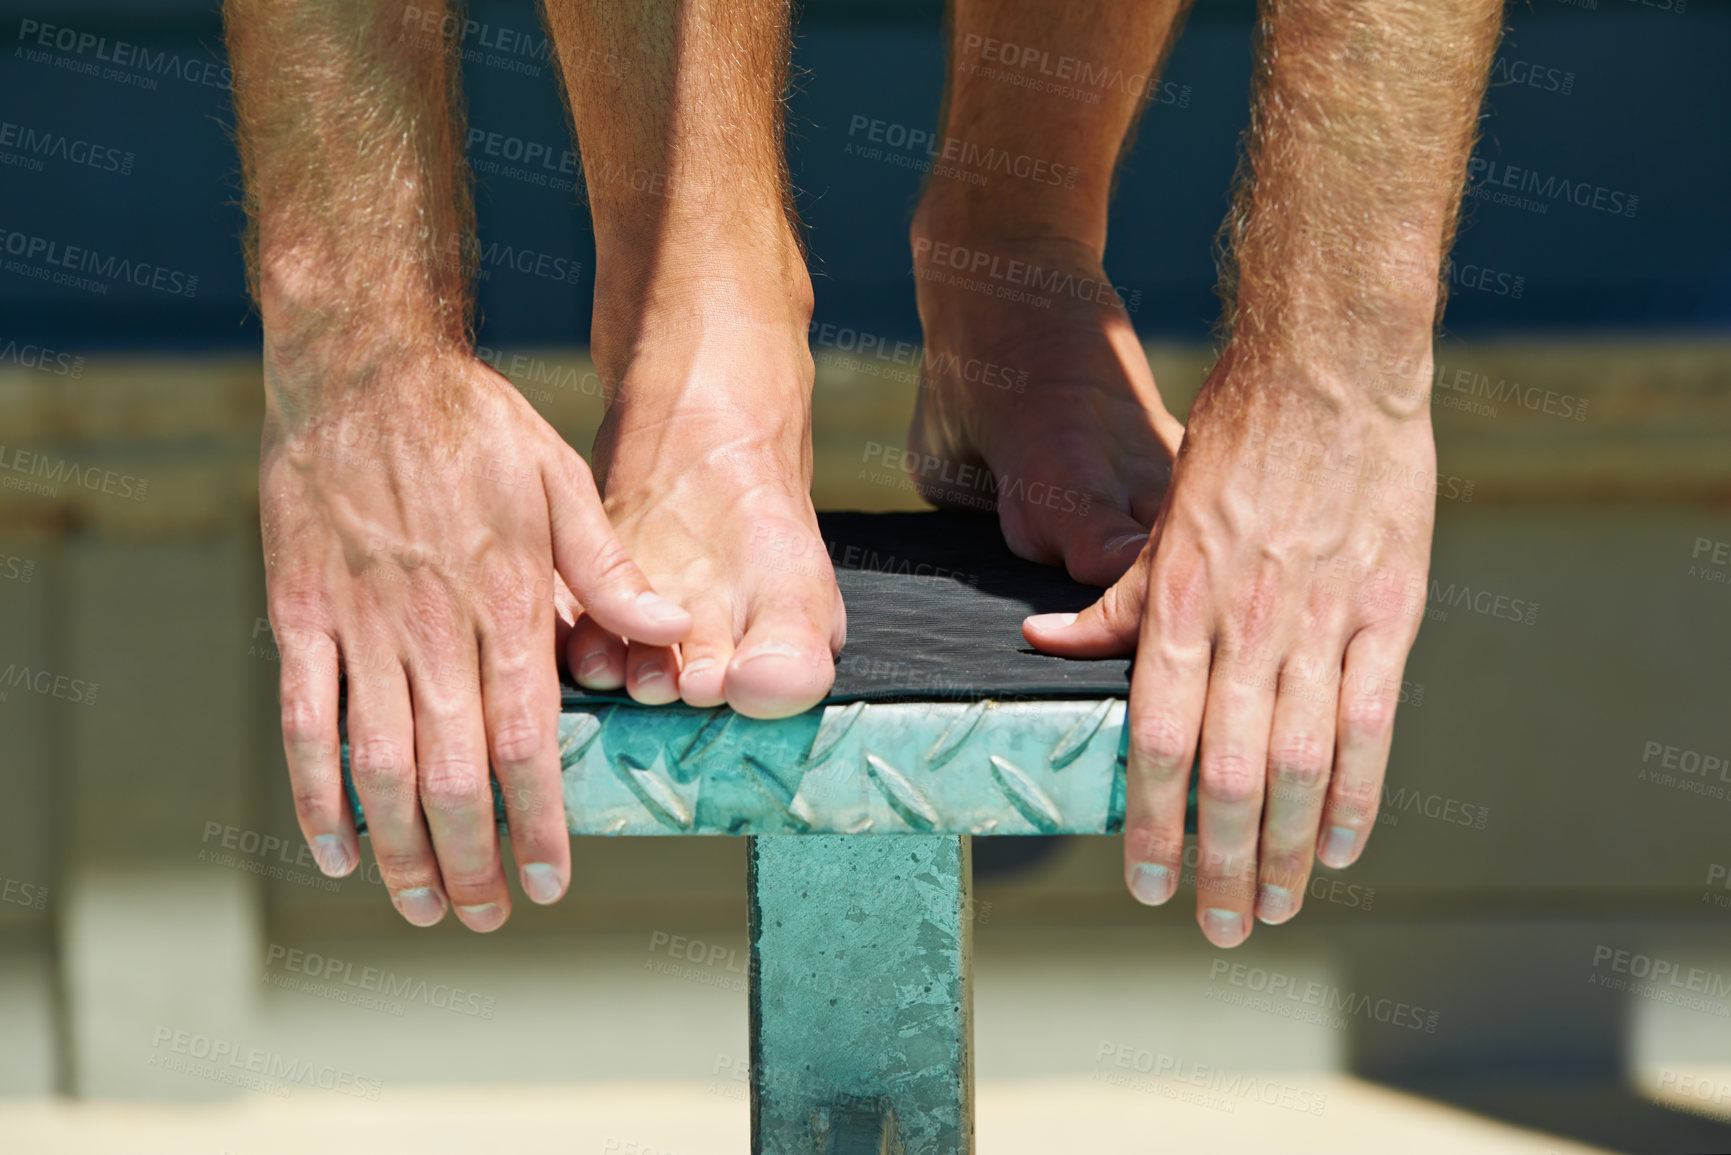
<point>943,724</point>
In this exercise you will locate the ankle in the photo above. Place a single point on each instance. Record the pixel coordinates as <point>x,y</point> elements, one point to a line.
<point>961,215</point>
<point>652,293</point>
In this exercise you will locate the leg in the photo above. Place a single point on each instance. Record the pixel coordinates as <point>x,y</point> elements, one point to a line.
<point>1032,369</point>
<point>702,311</point>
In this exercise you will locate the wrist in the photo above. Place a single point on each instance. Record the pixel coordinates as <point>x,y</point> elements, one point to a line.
<point>1353,329</point>
<point>1388,379</point>
<point>332,358</point>
<point>330,309</point>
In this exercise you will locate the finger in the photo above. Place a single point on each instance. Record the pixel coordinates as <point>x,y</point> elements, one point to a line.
<point>311,743</point>
<point>651,674</point>
<point>704,655</point>
<point>565,612</point>
<point>595,655</point>
<point>1109,627</point>
<point>1168,688</point>
<point>1231,774</point>
<point>1300,757</point>
<point>565,605</point>
<point>1369,690</point>
<point>520,707</point>
<point>455,787</point>
<point>594,563</point>
<point>382,765</point>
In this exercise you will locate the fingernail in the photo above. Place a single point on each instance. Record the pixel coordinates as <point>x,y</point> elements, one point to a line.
<point>659,609</point>
<point>1122,540</point>
<point>1151,883</point>
<point>1225,927</point>
<point>1050,621</point>
<point>420,905</point>
<point>1337,847</point>
<point>541,882</point>
<point>593,663</point>
<point>649,672</point>
<point>1273,904</point>
<point>482,916</point>
<point>333,856</point>
<point>767,650</point>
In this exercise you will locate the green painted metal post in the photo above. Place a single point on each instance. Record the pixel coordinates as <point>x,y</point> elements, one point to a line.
<point>861,995</point>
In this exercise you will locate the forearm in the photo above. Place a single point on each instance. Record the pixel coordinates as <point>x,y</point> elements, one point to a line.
<point>356,192</point>
<point>1364,117</point>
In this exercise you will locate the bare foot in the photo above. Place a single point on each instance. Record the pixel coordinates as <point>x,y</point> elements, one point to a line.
<point>1033,372</point>
<point>705,460</point>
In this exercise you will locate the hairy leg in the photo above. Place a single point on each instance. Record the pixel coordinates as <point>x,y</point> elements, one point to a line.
<point>1273,613</point>
<point>702,312</point>
<point>419,518</point>
<point>1031,366</point>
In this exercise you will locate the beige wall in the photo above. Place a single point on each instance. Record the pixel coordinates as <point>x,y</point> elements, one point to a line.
<point>1540,728</point>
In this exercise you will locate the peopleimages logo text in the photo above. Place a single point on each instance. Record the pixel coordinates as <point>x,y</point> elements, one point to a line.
<point>1483,175</point>
<point>122,54</point>
<point>78,259</point>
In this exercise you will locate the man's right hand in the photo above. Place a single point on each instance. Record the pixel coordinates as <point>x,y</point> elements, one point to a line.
<point>418,517</point>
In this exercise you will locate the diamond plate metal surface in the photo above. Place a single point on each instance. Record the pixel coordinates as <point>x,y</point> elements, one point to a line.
<point>986,767</point>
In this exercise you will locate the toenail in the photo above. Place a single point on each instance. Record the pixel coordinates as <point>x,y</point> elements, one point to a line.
<point>1123,540</point>
<point>699,666</point>
<point>593,663</point>
<point>648,672</point>
<point>768,650</point>
<point>659,609</point>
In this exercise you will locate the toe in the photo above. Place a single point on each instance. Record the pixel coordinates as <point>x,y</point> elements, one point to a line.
<point>785,664</point>
<point>704,656</point>
<point>595,657</point>
<point>651,674</point>
<point>1101,548</point>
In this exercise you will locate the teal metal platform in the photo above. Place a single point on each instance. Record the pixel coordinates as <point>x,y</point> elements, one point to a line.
<point>859,816</point>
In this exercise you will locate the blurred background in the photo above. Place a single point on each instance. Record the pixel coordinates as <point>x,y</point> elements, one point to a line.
<point>1548,892</point>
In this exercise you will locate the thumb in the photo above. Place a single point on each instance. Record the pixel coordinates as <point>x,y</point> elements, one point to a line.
<point>592,560</point>
<point>1105,629</point>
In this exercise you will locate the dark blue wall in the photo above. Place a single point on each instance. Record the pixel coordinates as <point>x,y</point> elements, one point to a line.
<point>1644,116</point>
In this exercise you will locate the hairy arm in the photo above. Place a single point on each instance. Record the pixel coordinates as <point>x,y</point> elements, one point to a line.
<point>1364,117</point>
<point>359,215</point>
<point>1273,609</point>
<point>419,517</point>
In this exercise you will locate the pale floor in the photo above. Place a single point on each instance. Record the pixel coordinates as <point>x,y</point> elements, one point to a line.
<point>607,1044</point>
<point>1043,1116</point>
